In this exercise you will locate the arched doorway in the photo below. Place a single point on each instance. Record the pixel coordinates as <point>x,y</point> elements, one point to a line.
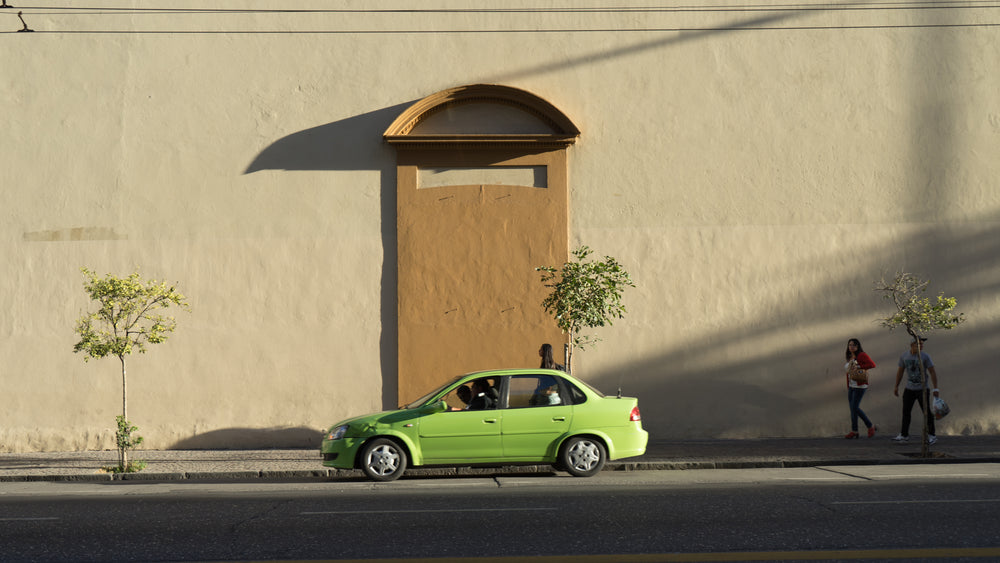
<point>482,199</point>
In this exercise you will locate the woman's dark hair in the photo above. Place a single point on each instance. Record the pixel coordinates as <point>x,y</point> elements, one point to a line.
<point>547,361</point>
<point>847,353</point>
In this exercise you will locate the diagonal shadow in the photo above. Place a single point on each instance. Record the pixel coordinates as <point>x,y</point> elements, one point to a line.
<point>355,143</point>
<point>694,395</point>
<point>683,36</point>
<point>782,391</point>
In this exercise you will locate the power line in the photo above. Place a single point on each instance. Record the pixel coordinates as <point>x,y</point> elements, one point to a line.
<point>517,31</point>
<point>845,6</point>
<point>787,9</point>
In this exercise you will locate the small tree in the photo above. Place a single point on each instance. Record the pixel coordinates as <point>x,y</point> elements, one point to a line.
<point>584,295</point>
<point>919,315</point>
<point>127,319</point>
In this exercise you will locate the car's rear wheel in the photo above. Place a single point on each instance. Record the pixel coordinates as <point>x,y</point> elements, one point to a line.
<point>383,460</point>
<point>582,456</point>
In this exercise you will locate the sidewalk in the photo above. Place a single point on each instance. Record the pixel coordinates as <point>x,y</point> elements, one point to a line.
<point>299,464</point>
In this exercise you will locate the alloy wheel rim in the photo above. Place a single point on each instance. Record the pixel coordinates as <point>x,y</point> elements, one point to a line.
<point>383,460</point>
<point>584,456</point>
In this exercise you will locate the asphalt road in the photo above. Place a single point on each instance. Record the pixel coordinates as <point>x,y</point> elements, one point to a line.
<point>873,513</point>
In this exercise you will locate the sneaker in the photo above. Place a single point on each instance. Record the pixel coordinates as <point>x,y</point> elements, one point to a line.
<point>901,438</point>
<point>931,438</point>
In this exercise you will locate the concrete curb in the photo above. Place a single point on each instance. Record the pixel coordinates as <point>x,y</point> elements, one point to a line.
<point>304,464</point>
<point>327,474</point>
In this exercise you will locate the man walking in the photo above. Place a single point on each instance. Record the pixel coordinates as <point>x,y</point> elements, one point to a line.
<point>914,391</point>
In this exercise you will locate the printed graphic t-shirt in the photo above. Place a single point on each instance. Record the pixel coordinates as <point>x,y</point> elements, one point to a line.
<point>909,362</point>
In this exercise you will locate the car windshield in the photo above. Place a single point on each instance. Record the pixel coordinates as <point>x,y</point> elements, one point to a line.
<point>423,400</point>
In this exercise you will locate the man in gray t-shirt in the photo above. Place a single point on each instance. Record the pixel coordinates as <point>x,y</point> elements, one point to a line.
<point>909,364</point>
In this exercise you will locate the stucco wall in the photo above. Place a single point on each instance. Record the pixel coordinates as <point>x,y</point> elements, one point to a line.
<point>754,182</point>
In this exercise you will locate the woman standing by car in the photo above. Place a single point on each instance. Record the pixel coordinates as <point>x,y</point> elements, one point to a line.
<point>858,363</point>
<point>545,352</point>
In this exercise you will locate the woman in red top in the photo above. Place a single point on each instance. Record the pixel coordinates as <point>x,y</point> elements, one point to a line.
<point>856,390</point>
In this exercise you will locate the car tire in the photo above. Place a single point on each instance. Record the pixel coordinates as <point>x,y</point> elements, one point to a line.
<point>582,456</point>
<point>383,460</point>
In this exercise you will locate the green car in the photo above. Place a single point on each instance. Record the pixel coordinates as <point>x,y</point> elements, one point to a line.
<point>508,417</point>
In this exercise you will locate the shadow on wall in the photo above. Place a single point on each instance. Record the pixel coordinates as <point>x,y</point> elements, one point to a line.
<point>355,143</point>
<point>777,388</point>
<point>598,57</point>
<point>252,439</point>
<point>774,388</point>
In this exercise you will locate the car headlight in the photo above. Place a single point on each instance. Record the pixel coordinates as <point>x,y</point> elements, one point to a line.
<point>336,433</point>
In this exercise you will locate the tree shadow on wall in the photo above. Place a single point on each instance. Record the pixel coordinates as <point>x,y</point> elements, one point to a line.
<point>354,143</point>
<point>777,388</point>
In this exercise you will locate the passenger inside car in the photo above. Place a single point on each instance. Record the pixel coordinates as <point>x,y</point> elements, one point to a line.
<point>482,399</point>
<point>546,392</point>
<point>464,394</point>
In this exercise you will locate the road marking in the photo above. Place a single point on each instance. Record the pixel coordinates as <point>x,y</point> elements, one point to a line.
<point>925,476</point>
<point>840,555</point>
<point>445,511</point>
<point>918,501</point>
<point>29,519</point>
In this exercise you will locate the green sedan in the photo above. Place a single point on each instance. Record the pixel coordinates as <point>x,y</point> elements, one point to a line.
<point>513,416</point>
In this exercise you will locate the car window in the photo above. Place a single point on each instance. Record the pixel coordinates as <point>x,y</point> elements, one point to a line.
<point>529,391</point>
<point>484,395</point>
<point>576,396</point>
<point>458,399</point>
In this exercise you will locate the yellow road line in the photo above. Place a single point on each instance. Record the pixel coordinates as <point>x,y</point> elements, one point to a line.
<point>835,555</point>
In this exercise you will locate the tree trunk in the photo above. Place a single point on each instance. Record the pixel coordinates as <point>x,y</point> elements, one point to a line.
<point>568,350</point>
<point>122,450</point>
<point>925,400</point>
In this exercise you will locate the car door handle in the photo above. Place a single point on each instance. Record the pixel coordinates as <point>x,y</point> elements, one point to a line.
<point>489,420</point>
<point>558,419</point>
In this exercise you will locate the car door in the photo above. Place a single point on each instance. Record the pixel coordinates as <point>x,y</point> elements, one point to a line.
<point>460,436</point>
<point>538,412</point>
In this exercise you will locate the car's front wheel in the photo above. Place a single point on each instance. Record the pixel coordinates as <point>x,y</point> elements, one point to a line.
<point>582,456</point>
<point>383,460</point>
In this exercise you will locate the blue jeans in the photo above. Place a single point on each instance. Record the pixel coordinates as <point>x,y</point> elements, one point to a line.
<point>854,395</point>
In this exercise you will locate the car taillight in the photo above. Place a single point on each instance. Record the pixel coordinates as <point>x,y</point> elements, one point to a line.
<point>634,416</point>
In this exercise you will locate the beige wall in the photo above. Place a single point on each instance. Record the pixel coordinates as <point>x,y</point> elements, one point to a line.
<point>754,182</point>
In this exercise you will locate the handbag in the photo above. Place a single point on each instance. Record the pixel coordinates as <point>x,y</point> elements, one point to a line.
<point>857,375</point>
<point>940,408</point>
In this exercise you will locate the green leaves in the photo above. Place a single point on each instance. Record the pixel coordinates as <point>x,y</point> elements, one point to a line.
<point>585,294</point>
<point>128,315</point>
<point>917,313</point>
<point>124,437</point>
<point>126,442</point>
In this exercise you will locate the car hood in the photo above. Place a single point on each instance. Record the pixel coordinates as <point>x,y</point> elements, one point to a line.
<point>361,424</point>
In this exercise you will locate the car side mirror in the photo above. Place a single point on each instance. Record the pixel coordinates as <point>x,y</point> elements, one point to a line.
<point>437,406</point>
